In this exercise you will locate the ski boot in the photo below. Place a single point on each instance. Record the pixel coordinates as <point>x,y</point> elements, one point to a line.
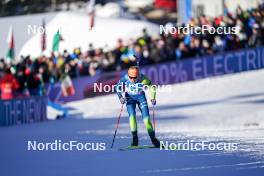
<point>134,139</point>
<point>154,140</point>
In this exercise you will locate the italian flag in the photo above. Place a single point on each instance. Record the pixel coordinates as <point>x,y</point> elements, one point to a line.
<point>67,87</point>
<point>11,45</point>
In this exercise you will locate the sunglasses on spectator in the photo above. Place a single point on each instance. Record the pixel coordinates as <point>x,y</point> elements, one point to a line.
<point>130,77</point>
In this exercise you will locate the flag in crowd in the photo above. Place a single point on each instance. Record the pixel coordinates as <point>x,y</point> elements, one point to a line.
<point>184,10</point>
<point>43,36</point>
<point>67,87</point>
<point>11,45</point>
<point>56,41</point>
<point>91,13</point>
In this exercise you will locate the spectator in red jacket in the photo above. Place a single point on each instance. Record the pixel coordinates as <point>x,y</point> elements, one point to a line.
<point>8,85</point>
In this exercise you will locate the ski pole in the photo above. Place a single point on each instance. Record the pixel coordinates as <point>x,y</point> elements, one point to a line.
<point>153,117</point>
<point>117,125</point>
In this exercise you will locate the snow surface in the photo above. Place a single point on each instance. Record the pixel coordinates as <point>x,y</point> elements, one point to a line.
<point>74,28</point>
<point>227,108</point>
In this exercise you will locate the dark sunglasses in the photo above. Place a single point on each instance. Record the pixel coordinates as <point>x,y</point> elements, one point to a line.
<point>132,77</point>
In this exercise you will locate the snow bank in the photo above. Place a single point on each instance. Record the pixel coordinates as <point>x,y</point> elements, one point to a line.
<point>74,28</point>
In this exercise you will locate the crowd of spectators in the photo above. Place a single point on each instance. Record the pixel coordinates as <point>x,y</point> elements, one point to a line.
<point>30,75</point>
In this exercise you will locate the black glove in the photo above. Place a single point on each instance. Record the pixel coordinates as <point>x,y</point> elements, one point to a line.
<point>153,101</point>
<point>122,100</point>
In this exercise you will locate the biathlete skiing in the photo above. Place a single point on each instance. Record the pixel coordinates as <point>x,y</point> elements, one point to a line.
<point>132,86</point>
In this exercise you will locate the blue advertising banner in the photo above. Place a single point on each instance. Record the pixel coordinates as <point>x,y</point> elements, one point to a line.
<point>204,67</point>
<point>171,72</point>
<point>23,110</point>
